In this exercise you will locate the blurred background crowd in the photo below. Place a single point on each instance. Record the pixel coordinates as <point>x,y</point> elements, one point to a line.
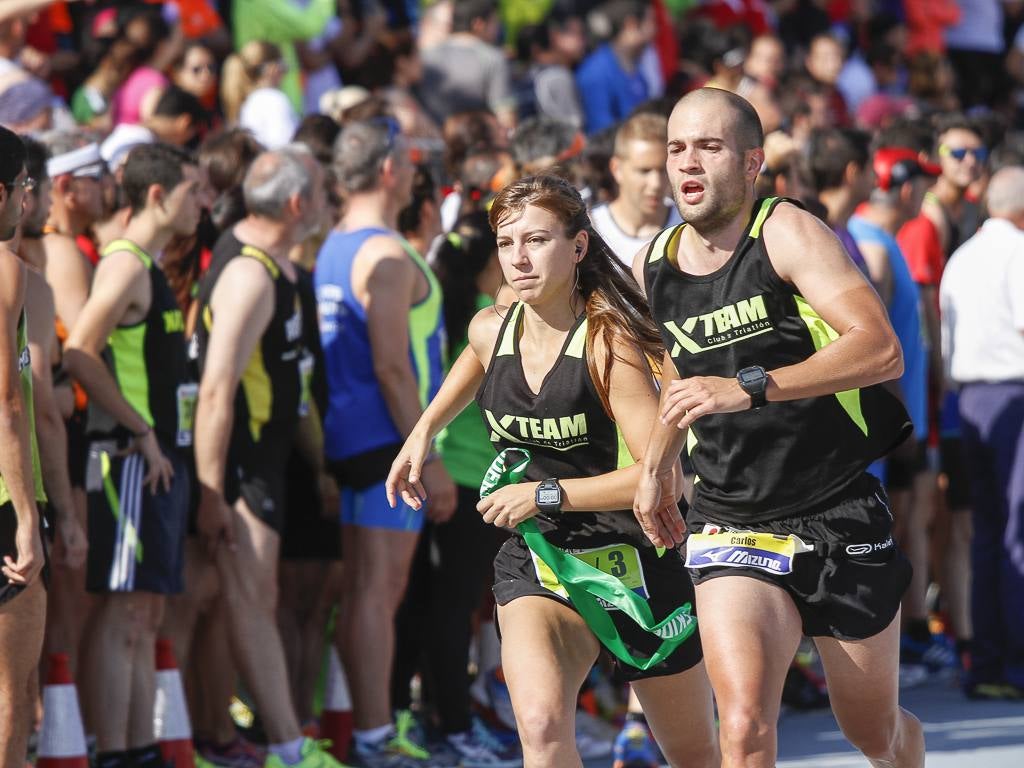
<point>887,118</point>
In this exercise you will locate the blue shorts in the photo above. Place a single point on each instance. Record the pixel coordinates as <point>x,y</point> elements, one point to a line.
<point>368,508</point>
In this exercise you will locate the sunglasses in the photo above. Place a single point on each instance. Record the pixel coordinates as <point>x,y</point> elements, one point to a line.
<point>980,153</point>
<point>28,184</point>
<point>199,69</point>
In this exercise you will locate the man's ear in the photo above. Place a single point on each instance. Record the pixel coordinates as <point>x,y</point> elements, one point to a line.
<point>614,165</point>
<point>155,194</point>
<point>755,161</point>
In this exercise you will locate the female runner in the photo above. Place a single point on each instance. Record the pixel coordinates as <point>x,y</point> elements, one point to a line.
<point>563,373</point>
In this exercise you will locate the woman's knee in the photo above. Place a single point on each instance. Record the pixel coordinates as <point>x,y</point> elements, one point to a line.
<point>543,728</point>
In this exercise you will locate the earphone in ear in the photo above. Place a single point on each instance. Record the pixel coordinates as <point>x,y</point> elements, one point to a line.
<point>579,249</point>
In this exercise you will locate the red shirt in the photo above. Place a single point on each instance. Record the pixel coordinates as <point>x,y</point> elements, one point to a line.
<point>919,241</point>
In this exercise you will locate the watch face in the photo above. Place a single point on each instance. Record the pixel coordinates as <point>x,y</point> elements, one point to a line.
<point>750,377</point>
<point>548,496</point>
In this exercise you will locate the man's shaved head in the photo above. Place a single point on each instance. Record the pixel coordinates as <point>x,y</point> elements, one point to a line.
<point>748,131</point>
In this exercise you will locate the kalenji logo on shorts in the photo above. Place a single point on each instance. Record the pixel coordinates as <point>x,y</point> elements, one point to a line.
<point>866,549</point>
<point>720,327</point>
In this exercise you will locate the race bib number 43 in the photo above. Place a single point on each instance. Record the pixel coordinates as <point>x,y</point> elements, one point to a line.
<point>744,549</point>
<point>621,561</point>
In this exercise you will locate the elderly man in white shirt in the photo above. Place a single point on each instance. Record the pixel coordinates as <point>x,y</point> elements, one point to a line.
<point>982,301</point>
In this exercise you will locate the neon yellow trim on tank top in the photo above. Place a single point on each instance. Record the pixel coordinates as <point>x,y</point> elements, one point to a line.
<point>762,216</point>
<point>25,374</point>
<point>424,319</point>
<point>822,334</point>
<point>258,392</point>
<point>578,344</point>
<point>508,339</point>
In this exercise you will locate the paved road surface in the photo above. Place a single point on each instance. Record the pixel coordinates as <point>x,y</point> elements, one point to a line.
<point>958,732</point>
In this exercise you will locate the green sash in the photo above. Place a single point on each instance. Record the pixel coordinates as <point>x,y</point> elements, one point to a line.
<point>585,584</point>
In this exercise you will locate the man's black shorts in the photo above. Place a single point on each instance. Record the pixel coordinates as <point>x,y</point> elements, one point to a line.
<point>851,592</point>
<point>9,548</point>
<point>136,538</point>
<point>515,575</point>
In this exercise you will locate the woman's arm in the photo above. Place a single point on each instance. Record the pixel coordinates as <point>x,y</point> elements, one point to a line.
<point>456,393</point>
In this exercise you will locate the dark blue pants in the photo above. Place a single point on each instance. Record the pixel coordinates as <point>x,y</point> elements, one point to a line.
<point>993,434</point>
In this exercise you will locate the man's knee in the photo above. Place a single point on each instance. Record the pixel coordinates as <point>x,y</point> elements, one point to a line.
<point>679,750</point>
<point>380,579</point>
<point>745,730</point>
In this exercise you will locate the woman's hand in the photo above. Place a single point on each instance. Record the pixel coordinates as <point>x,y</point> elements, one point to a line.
<point>509,506</point>
<point>405,477</point>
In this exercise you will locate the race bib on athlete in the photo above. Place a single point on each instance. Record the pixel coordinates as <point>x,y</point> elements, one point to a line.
<point>620,560</point>
<point>187,396</point>
<point>743,549</point>
<point>305,383</point>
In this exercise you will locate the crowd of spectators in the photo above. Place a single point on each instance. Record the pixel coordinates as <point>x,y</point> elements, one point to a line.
<point>886,118</point>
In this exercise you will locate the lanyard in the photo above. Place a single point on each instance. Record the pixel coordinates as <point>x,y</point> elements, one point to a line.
<point>586,585</point>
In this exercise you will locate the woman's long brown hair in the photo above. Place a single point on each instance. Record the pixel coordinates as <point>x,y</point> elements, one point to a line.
<point>614,304</point>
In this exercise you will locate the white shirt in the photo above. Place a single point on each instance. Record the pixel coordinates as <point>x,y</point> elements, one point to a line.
<point>268,113</point>
<point>982,301</point>
<point>623,245</point>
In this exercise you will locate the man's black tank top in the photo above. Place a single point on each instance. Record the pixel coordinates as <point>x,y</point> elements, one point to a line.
<point>269,396</point>
<point>565,428</point>
<point>782,459</point>
<point>149,361</point>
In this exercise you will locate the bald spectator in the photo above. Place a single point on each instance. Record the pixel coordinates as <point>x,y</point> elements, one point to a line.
<point>982,298</point>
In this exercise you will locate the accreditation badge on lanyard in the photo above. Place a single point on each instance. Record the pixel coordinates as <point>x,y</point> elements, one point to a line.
<point>766,552</point>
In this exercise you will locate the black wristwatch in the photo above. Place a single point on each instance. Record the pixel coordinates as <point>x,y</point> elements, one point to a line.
<point>549,496</point>
<point>754,381</point>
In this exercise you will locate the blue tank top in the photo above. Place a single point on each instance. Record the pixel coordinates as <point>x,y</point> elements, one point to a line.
<point>905,316</point>
<point>357,419</point>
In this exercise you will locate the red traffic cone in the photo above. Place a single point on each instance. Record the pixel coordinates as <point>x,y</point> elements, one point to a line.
<point>336,718</point>
<point>61,738</point>
<point>170,713</point>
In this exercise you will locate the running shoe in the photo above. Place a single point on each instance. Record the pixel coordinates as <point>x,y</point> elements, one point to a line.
<point>634,748</point>
<point>479,748</point>
<point>998,691</point>
<point>237,753</point>
<point>314,755</point>
<point>934,655</point>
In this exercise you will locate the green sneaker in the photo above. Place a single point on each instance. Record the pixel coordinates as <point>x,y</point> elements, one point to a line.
<point>314,755</point>
<point>402,743</point>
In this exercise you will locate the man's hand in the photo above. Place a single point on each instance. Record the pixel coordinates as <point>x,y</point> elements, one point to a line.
<point>214,520</point>
<point>71,546</point>
<point>29,546</point>
<point>440,490</point>
<point>689,399</point>
<point>507,507</point>
<point>159,469</point>
<point>656,508</point>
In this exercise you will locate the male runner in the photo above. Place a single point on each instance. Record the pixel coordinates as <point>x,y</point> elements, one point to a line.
<point>381,328</point>
<point>22,595</point>
<point>782,418</point>
<point>128,351</point>
<point>642,207</point>
<point>250,399</point>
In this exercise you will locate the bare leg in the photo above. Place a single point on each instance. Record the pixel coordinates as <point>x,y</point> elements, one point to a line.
<point>863,680</point>
<point>314,633</point>
<point>956,583</point>
<point>680,711</point>
<point>21,642</point>
<point>143,690</point>
<point>750,631</point>
<point>376,572</point>
<point>118,628</point>
<point>216,676</point>
<point>249,582</point>
<point>920,511</point>
<point>546,652</point>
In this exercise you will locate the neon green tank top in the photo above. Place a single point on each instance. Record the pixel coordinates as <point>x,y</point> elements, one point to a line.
<point>25,373</point>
